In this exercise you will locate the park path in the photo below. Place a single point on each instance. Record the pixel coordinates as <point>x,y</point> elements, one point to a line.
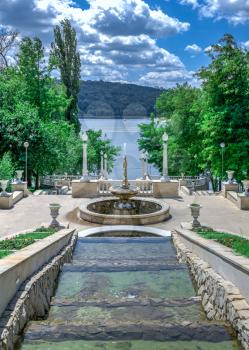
<point>33,211</point>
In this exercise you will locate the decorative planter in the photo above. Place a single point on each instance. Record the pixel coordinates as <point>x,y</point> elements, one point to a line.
<point>19,176</point>
<point>4,184</point>
<point>230,174</point>
<point>246,187</point>
<point>54,212</point>
<point>195,212</point>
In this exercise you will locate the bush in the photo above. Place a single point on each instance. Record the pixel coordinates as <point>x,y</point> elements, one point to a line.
<point>6,167</point>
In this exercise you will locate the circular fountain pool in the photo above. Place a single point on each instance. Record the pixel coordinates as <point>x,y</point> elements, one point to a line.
<point>142,211</point>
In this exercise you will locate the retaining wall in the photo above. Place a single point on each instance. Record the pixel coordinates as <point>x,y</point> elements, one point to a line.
<point>32,301</point>
<point>220,298</point>
<point>17,267</point>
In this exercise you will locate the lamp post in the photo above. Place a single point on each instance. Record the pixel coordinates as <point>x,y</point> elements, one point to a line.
<point>165,139</point>
<point>84,177</point>
<point>222,145</point>
<point>26,145</point>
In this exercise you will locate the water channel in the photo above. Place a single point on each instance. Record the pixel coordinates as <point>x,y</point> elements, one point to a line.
<point>126,294</point>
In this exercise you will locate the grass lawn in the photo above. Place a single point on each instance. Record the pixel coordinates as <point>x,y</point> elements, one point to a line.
<point>238,244</point>
<point>7,246</point>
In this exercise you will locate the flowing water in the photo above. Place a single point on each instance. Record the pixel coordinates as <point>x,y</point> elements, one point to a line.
<point>126,294</point>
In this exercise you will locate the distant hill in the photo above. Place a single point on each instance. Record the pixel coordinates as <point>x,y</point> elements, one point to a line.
<point>115,100</point>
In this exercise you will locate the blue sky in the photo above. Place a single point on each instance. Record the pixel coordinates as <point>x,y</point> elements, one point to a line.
<point>148,42</point>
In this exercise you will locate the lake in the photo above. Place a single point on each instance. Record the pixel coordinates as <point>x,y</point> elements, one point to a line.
<point>121,131</point>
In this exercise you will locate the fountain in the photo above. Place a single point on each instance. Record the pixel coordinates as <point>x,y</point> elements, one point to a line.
<point>124,208</point>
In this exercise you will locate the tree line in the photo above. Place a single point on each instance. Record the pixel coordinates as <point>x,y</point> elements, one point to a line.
<point>37,108</point>
<point>200,120</point>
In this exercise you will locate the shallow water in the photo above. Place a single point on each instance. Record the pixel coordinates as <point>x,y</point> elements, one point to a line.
<point>127,294</point>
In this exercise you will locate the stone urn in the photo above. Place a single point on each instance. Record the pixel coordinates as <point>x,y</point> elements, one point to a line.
<point>246,187</point>
<point>230,174</point>
<point>19,176</point>
<point>54,212</point>
<point>195,212</point>
<point>4,184</point>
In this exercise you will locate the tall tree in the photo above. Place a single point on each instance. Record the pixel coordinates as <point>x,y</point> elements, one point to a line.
<point>225,108</point>
<point>66,58</point>
<point>40,90</point>
<point>178,110</point>
<point>7,42</point>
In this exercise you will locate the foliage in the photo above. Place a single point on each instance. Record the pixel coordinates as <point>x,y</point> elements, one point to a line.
<point>178,112</point>
<point>39,89</point>
<point>4,253</point>
<point>239,244</point>
<point>23,240</point>
<point>225,115</point>
<point>151,140</point>
<point>65,57</point>
<point>7,42</point>
<point>95,145</point>
<point>198,120</point>
<point>6,167</point>
<point>103,99</point>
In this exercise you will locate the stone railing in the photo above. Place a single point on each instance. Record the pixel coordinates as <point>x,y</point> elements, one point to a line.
<point>145,186</point>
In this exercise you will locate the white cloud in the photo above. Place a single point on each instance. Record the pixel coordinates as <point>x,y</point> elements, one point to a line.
<point>117,39</point>
<point>193,3</point>
<point>245,45</point>
<point>234,11</point>
<point>169,79</point>
<point>194,49</point>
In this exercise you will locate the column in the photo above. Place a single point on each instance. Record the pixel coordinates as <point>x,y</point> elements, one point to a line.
<point>142,166</point>
<point>85,177</point>
<point>105,167</point>
<point>165,176</point>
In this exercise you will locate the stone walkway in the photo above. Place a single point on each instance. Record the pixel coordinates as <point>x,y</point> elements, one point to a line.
<point>33,211</point>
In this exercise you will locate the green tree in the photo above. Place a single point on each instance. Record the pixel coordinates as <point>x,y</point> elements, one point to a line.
<point>40,90</point>
<point>95,145</point>
<point>6,167</point>
<point>65,57</point>
<point>225,108</point>
<point>178,112</point>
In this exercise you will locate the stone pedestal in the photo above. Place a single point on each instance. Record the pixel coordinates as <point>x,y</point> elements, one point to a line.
<point>229,187</point>
<point>243,201</point>
<point>165,189</point>
<point>84,189</point>
<point>6,202</point>
<point>22,186</point>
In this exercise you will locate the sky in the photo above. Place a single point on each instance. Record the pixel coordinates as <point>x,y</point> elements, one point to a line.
<point>148,42</point>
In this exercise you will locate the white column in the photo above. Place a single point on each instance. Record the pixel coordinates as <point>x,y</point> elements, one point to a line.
<point>165,176</point>
<point>101,164</point>
<point>142,166</point>
<point>84,177</point>
<point>105,167</point>
<point>146,171</point>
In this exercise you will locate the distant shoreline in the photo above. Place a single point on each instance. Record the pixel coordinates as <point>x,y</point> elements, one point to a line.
<point>110,117</point>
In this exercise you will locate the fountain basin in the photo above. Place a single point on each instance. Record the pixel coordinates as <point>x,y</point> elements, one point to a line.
<point>144,211</point>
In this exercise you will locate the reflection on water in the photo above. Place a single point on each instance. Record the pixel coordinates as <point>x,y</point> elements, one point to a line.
<point>126,293</point>
<point>121,131</point>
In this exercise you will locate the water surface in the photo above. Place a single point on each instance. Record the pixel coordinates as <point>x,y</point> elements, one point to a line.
<point>126,294</point>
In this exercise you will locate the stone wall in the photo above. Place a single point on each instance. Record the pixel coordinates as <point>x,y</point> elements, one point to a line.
<point>221,300</point>
<point>33,298</point>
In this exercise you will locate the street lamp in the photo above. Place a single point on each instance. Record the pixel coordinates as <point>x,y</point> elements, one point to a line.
<point>26,145</point>
<point>222,145</point>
